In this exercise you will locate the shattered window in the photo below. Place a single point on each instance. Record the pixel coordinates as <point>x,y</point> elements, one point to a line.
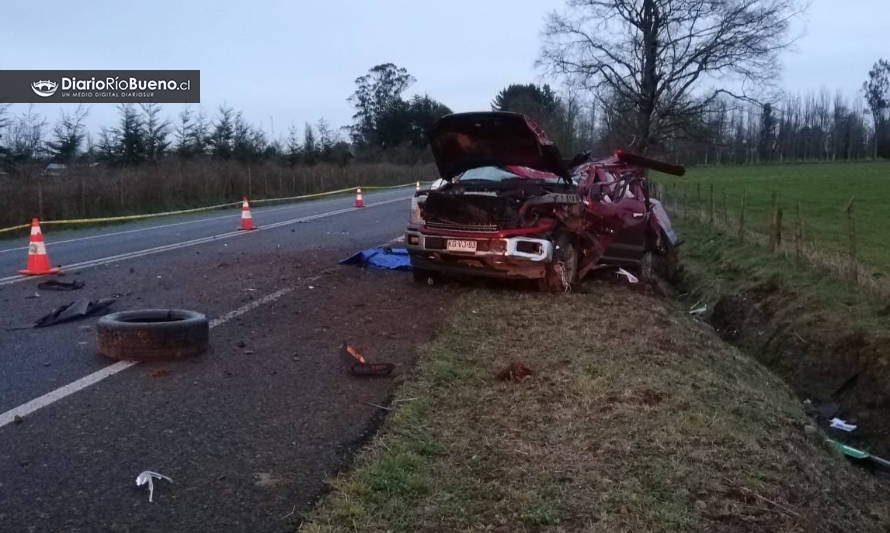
<point>496,174</point>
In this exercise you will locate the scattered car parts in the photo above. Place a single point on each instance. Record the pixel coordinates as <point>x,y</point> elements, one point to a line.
<point>153,334</point>
<point>363,367</point>
<point>56,285</point>
<point>79,308</point>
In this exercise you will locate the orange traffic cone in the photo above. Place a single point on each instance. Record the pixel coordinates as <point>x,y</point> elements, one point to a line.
<point>38,262</point>
<point>246,219</point>
<point>358,198</point>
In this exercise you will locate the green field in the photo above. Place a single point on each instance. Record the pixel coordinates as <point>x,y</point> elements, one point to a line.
<point>822,190</point>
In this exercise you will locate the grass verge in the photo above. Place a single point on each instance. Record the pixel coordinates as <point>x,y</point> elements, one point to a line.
<point>636,418</point>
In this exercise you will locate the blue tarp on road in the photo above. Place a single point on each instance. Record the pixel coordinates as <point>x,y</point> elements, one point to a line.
<point>382,258</point>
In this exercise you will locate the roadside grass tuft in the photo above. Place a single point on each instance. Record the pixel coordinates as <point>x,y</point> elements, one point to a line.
<point>636,418</point>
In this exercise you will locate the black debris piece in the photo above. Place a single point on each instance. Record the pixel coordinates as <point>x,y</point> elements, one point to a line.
<point>56,285</point>
<point>77,309</point>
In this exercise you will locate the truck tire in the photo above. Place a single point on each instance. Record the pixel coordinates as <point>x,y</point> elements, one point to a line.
<point>153,334</point>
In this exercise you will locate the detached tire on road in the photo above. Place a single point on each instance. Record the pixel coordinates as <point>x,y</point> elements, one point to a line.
<point>153,334</point>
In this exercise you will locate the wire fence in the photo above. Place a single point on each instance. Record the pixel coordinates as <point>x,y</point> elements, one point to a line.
<point>779,226</point>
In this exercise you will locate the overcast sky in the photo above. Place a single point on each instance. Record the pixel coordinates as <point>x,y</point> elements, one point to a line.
<point>288,62</point>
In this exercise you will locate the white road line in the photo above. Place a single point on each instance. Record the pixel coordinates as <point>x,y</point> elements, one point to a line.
<point>91,379</point>
<point>61,392</point>
<point>259,210</point>
<point>110,370</point>
<point>251,306</point>
<point>125,232</point>
<point>9,280</point>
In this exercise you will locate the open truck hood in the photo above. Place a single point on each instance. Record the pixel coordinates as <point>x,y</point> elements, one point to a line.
<point>468,140</point>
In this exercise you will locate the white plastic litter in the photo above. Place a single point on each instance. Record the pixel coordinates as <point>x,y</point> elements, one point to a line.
<point>148,477</point>
<point>842,425</point>
<point>697,309</point>
<point>630,277</point>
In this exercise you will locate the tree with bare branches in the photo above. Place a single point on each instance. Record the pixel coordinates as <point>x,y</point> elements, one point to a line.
<point>665,61</point>
<point>68,135</point>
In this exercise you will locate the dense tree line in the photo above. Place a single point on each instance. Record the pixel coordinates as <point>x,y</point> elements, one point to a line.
<point>386,128</point>
<point>722,129</point>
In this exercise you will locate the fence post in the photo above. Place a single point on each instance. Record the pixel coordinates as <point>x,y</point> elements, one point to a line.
<point>725,210</point>
<point>798,236</point>
<point>684,204</point>
<point>698,208</point>
<point>772,222</point>
<point>742,216</point>
<point>711,204</point>
<point>851,235</point>
<point>778,227</point>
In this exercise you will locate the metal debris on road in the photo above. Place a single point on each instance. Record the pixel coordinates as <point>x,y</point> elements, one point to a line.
<point>56,285</point>
<point>148,477</point>
<point>363,367</point>
<point>80,308</point>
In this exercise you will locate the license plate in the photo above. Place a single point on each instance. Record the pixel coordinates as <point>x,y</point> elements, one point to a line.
<point>454,245</point>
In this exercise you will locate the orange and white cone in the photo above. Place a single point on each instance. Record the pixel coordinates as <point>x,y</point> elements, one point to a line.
<point>246,219</point>
<point>38,262</point>
<point>417,187</point>
<point>358,198</point>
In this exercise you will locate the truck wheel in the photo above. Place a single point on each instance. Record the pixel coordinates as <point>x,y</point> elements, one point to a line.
<point>152,334</point>
<point>661,261</point>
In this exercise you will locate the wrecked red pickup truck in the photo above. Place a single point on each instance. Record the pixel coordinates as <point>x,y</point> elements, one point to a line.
<point>510,207</point>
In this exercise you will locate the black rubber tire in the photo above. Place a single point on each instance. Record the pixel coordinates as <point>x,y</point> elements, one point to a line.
<point>660,261</point>
<point>153,334</point>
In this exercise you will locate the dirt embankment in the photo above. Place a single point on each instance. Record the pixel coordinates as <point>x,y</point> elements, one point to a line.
<point>816,350</point>
<point>828,340</point>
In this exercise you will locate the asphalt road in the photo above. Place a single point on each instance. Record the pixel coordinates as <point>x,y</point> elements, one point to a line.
<point>248,431</point>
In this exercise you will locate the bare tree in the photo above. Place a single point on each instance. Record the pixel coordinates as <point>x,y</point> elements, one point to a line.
<point>656,55</point>
<point>25,141</point>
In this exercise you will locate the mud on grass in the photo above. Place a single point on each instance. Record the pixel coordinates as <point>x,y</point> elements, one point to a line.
<point>636,418</point>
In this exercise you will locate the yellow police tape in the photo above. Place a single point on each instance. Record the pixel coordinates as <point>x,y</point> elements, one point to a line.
<point>197,209</point>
